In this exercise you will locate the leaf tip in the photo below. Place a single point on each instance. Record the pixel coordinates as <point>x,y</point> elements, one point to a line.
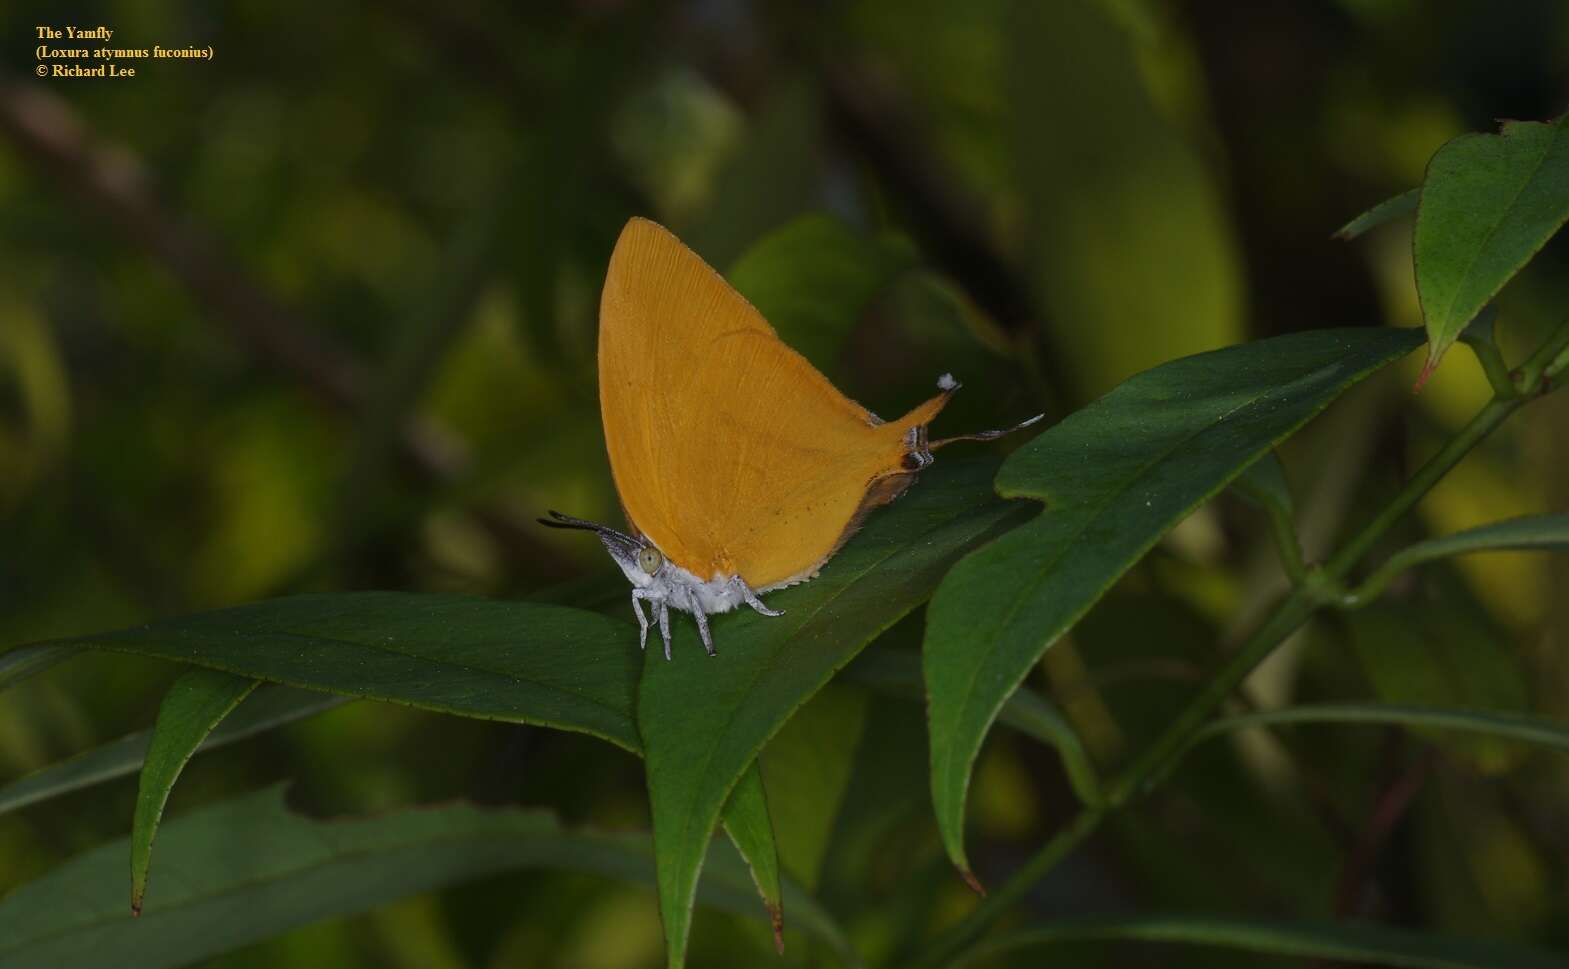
<point>136,906</point>
<point>972,881</point>
<point>776,919</point>
<point>1427,371</point>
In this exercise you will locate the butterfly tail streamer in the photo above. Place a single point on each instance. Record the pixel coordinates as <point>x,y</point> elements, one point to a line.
<point>985,435</point>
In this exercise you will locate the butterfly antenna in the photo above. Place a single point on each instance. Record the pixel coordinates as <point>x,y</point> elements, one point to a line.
<point>558,520</point>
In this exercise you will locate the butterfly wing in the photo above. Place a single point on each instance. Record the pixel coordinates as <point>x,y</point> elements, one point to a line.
<point>730,451</point>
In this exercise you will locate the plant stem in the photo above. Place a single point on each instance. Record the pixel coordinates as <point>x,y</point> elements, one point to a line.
<point>1151,766</point>
<point>1320,587</point>
<point>1287,544</point>
<point>1548,360</point>
<point>1558,365</point>
<point>1486,420</point>
<point>1492,365</point>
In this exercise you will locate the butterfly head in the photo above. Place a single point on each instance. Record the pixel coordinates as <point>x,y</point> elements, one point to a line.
<point>642,564</point>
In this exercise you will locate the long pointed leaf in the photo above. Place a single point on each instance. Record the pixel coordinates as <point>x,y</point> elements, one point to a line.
<point>1520,728</point>
<point>899,674</point>
<point>516,661</point>
<point>1531,533</point>
<point>24,661</point>
<point>195,704</point>
<point>271,706</point>
<point>276,870</point>
<point>751,830</point>
<point>1116,476</point>
<point>1489,202</point>
<point>1507,726</point>
<point>807,769</point>
<point>704,720</point>
<point>1264,484</point>
<point>1340,941</point>
<point>1389,210</point>
<point>524,662</point>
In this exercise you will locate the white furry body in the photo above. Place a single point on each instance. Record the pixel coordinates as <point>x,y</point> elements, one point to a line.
<point>682,590</point>
<point>672,587</point>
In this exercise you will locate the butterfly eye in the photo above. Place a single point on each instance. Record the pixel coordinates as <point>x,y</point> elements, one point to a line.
<point>650,559</point>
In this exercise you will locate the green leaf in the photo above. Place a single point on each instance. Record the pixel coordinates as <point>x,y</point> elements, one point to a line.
<point>1264,484</point>
<point>247,869</point>
<point>705,720</point>
<point>807,767</point>
<point>898,673</point>
<point>1489,203</point>
<point>1442,654</point>
<point>752,833</point>
<point>269,707</point>
<point>1530,533</point>
<point>1515,727</point>
<point>24,661</point>
<point>1116,476</point>
<point>1340,941</point>
<point>1388,210</point>
<point>196,703</point>
<point>523,662</point>
<point>812,279</point>
<point>884,802</point>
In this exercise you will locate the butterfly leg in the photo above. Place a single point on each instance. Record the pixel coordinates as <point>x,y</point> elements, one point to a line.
<point>702,629</point>
<point>642,620</point>
<point>664,627</point>
<point>751,598</point>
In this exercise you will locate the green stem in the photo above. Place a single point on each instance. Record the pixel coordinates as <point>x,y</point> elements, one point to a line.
<point>1256,487</point>
<point>1547,362</point>
<point>1492,365</point>
<point>1151,766</point>
<point>1287,544</point>
<point>1320,587</point>
<point>1559,364</point>
<point>1374,585</point>
<point>1484,423</point>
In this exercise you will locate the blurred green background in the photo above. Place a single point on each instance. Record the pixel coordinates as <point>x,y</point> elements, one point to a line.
<point>320,314</point>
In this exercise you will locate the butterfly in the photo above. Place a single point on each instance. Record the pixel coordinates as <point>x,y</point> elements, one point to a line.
<point>740,467</point>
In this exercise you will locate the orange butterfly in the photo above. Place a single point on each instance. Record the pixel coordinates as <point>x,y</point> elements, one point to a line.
<point>741,469</point>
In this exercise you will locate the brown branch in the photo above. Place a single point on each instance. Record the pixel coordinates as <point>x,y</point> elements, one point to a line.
<point>109,180</point>
<point>1392,804</point>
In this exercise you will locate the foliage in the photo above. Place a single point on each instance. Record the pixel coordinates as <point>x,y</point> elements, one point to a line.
<point>208,452</point>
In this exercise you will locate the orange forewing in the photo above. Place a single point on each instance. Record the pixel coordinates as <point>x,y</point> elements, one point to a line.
<point>731,453</point>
